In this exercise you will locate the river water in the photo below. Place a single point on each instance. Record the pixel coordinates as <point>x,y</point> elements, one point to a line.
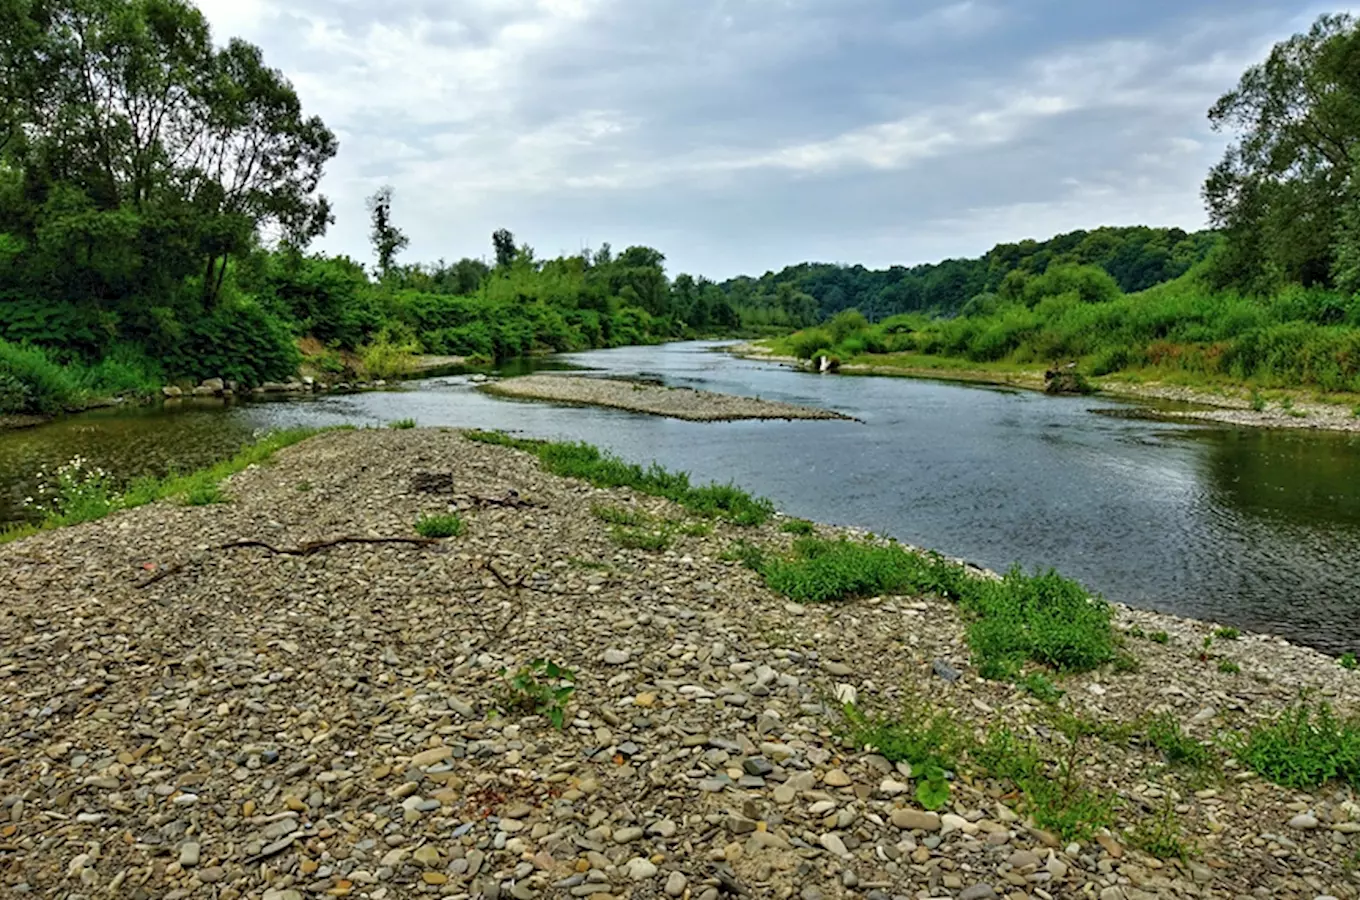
<point>1255,528</point>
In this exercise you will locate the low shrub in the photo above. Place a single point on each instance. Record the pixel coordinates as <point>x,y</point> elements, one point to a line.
<point>1165,734</point>
<point>654,540</point>
<point>542,687</point>
<point>402,424</point>
<point>800,527</point>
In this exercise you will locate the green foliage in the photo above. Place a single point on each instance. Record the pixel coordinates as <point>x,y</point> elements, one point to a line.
<point>1348,661</point>
<point>618,515</point>
<point>651,539</point>
<point>1303,747</point>
<point>800,527</point>
<point>386,358</point>
<point>1160,637</point>
<point>402,424</point>
<point>1042,617</point>
<point>1229,667</point>
<point>1052,790</point>
<point>31,382</point>
<point>1227,634</point>
<point>542,687</point>
<point>1179,748</point>
<point>923,739</point>
<point>78,492</point>
<point>204,492</point>
<point>581,460</point>
<point>1041,687</point>
<point>932,788</point>
<point>443,525</point>
<point>695,529</point>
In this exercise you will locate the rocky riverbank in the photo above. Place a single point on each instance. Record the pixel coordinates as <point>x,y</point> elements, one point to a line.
<point>180,719</point>
<point>1229,406</point>
<point>675,403</point>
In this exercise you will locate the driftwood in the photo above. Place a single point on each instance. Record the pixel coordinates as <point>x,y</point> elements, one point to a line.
<point>306,549</point>
<point>511,500</point>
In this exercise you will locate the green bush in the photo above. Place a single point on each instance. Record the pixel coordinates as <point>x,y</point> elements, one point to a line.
<point>1303,747</point>
<point>1165,734</point>
<point>239,341</point>
<point>800,527</point>
<point>32,382</point>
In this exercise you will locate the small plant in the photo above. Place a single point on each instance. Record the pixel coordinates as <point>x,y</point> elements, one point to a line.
<point>1160,637</point>
<point>1159,835</point>
<point>1179,748</point>
<point>79,492</point>
<point>1304,747</point>
<point>542,687</point>
<point>1053,792</point>
<point>1229,667</point>
<point>1041,687</point>
<point>1125,663</point>
<point>304,486</point>
<point>649,539</point>
<point>1136,632</point>
<point>402,424</point>
<point>204,492</point>
<point>1258,402</point>
<point>695,529</point>
<point>1287,404</point>
<point>1227,634</point>
<point>752,556</point>
<point>800,527</point>
<point>618,515</point>
<point>1356,412</point>
<point>932,788</point>
<point>916,736</point>
<point>1348,661</point>
<point>444,525</point>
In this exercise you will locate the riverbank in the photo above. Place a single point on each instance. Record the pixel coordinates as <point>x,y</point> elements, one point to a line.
<point>1226,404</point>
<point>675,403</point>
<point>285,717</point>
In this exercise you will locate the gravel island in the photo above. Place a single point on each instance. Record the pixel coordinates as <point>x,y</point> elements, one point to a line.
<point>232,702</point>
<point>675,403</point>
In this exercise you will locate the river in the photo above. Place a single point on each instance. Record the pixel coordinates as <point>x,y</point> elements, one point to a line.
<point>1254,528</point>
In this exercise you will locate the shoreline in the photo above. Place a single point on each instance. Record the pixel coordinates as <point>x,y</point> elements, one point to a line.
<point>1225,406</point>
<point>676,403</point>
<point>269,721</point>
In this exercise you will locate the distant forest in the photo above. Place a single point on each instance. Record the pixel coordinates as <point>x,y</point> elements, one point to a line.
<point>1137,258</point>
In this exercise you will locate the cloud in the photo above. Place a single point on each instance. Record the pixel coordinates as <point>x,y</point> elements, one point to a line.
<point>740,135</point>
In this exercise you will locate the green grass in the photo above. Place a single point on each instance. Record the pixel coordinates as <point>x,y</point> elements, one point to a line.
<point>581,460</point>
<point>84,503</point>
<point>931,743</point>
<point>1048,776</point>
<point>1160,637</point>
<point>1042,617</point>
<point>1303,747</point>
<point>695,529</point>
<point>1229,667</point>
<point>618,515</point>
<point>653,540</point>
<point>1165,734</point>
<point>800,527</point>
<point>1041,686</point>
<point>443,525</point>
<point>1348,661</point>
<point>402,424</point>
<point>1227,634</point>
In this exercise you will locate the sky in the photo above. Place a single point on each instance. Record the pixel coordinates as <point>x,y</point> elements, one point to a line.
<point>740,136</point>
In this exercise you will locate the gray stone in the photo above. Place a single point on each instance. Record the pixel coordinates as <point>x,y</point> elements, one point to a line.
<point>676,883</point>
<point>947,672</point>
<point>757,765</point>
<point>616,657</point>
<point>977,892</point>
<point>1304,822</point>
<point>188,854</point>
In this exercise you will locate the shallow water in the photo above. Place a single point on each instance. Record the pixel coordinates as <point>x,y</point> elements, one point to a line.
<point>1255,528</point>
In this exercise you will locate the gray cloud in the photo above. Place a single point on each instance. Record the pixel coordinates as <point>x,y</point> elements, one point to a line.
<point>742,135</point>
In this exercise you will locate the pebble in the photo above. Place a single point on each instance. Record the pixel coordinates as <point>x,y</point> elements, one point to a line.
<point>676,882</point>
<point>640,869</point>
<point>188,854</point>
<point>616,657</point>
<point>837,778</point>
<point>1304,822</point>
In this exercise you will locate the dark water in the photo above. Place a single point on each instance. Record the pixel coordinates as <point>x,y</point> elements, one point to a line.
<point>1260,529</point>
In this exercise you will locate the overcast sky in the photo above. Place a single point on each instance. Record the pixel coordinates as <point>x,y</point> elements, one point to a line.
<point>738,136</point>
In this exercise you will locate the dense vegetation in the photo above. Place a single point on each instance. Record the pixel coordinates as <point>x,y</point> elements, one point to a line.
<point>1272,304</point>
<point>157,194</point>
<point>1136,258</point>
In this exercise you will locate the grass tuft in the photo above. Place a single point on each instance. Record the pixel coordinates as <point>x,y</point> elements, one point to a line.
<point>649,539</point>
<point>1179,748</point>
<point>402,424</point>
<point>800,527</point>
<point>445,525</point>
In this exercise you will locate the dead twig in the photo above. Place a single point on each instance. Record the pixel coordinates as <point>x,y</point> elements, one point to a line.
<point>306,549</point>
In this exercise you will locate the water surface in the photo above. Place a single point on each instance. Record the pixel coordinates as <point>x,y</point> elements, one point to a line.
<point>1255,528</point>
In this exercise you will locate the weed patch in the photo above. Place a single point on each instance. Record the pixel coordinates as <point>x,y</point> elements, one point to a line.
<point>618,515</point>
<point>1159,835</point>
<point>445,525</point>
<point>1304,747</point>
<point>800,527</point>
<point>542,687</point>
<point>651,539</point>
<point>402,424</point>
<point>1165,734</point>
<point>581,460</point>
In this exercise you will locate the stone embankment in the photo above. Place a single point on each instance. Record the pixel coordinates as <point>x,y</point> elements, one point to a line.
<point>183,721</point>
<point>656,400</point>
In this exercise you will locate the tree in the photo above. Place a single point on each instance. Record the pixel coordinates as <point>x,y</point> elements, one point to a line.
<point>387,238</point>
<point>1279,190</point>
<point>503,241</point>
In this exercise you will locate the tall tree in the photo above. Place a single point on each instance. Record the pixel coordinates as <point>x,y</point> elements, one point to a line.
<point>388,240</point>
<point>1279,190</point>
<point>503,241</point>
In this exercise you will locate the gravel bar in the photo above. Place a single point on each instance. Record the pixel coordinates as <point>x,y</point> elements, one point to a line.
<point>179,720</point>
<point>674,402</point>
